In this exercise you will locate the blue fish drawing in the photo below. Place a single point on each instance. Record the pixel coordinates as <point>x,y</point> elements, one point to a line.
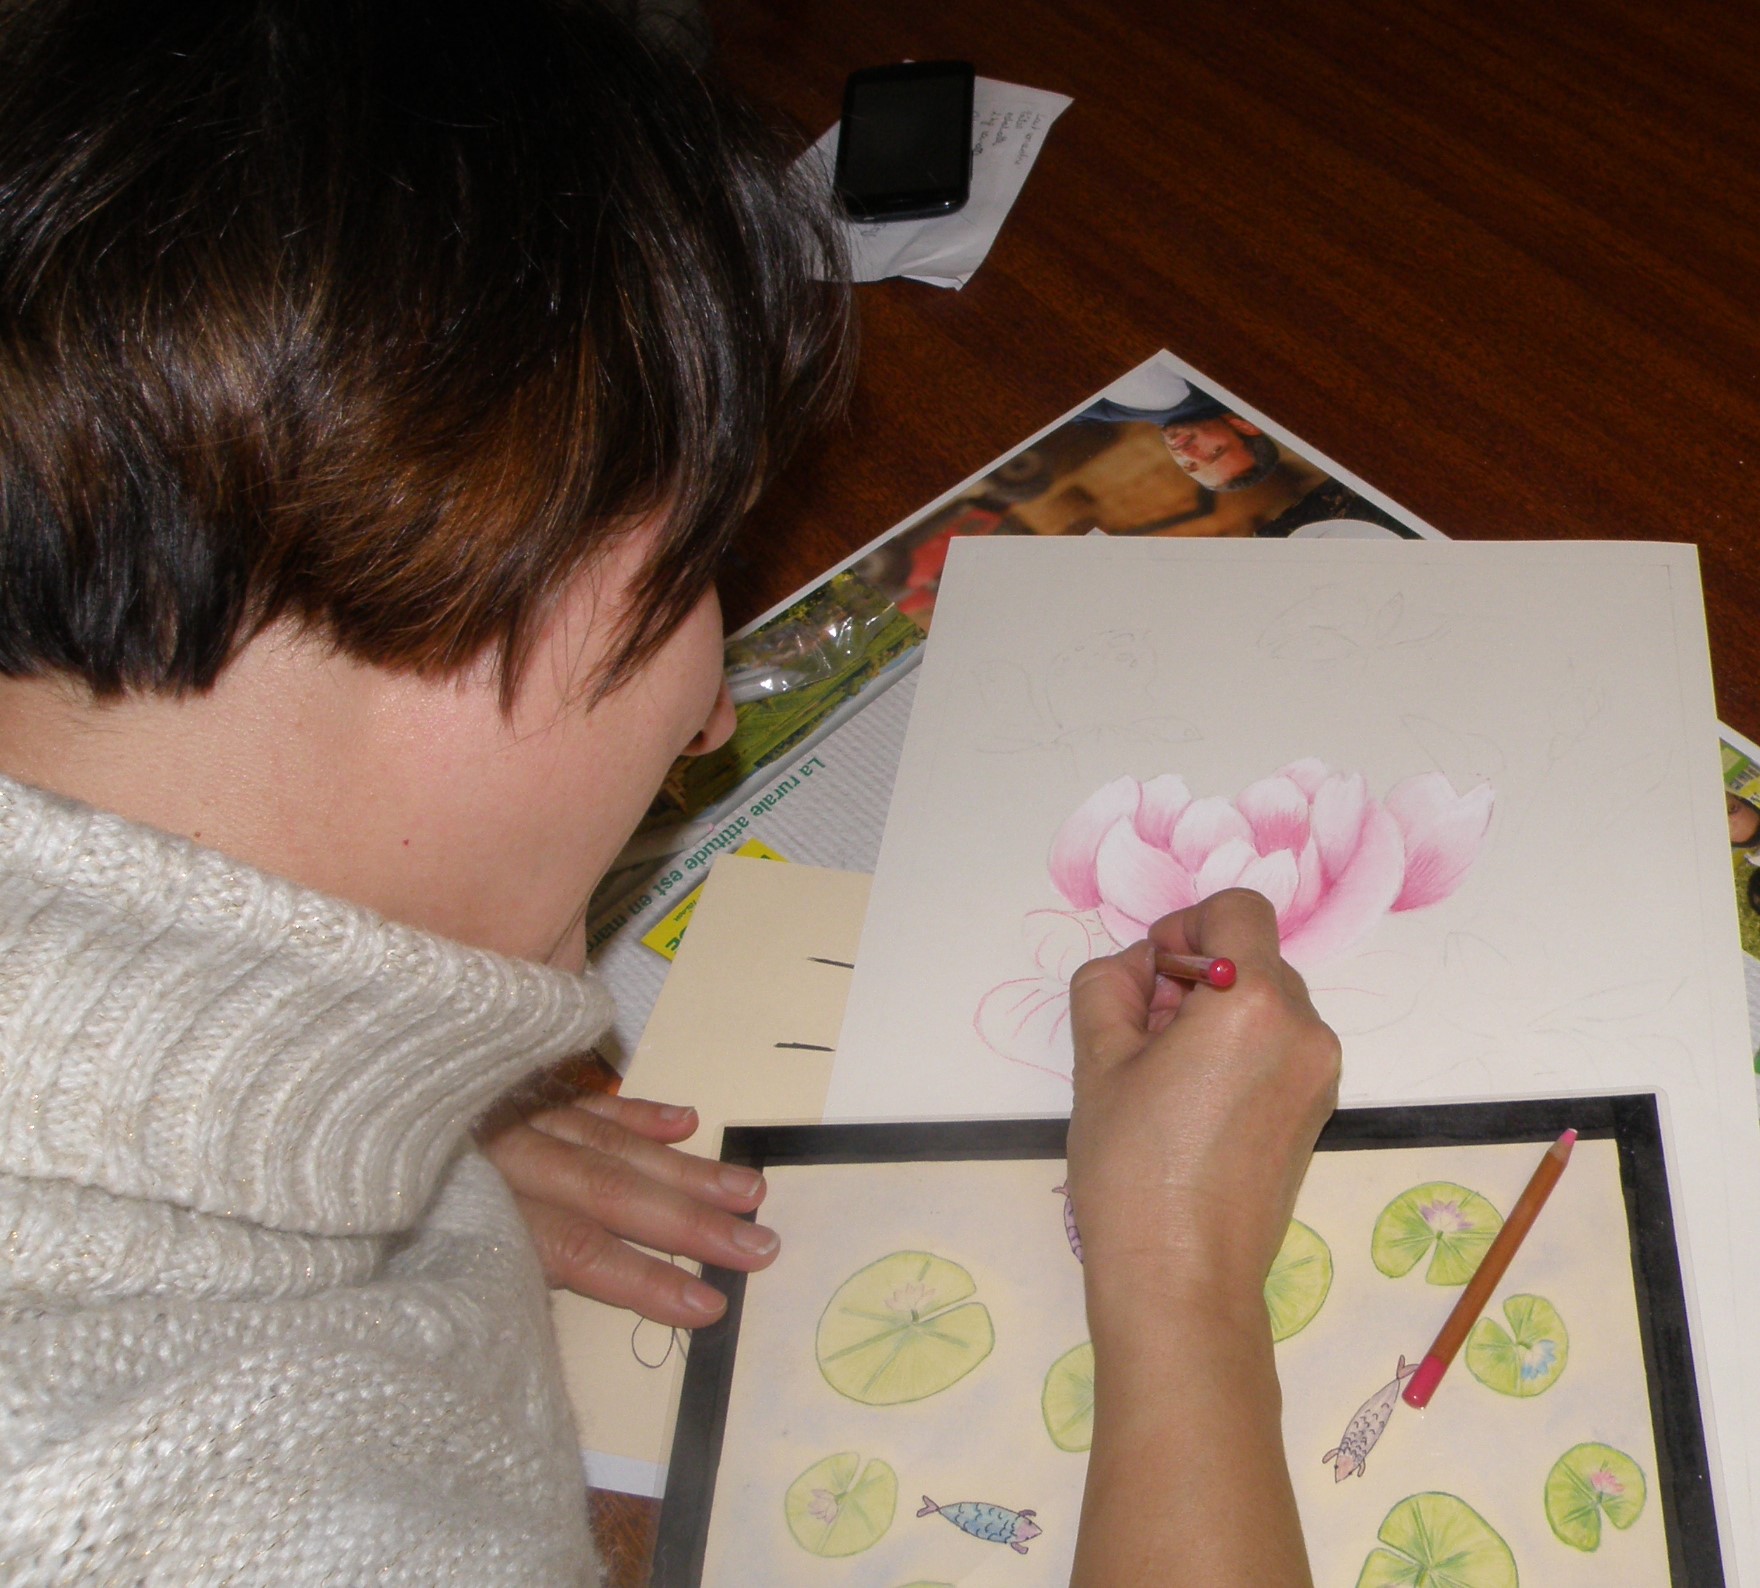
<point>995,1524</point>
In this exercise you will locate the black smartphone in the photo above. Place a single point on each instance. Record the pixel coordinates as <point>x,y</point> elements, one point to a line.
<point>905,147</point>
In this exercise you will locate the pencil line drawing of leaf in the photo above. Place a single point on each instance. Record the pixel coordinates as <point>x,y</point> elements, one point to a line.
<point>1314,642</point>
<point>1331,626</point>
<point>1108,685</point>
<point>1420,630</point>
<point>1644,775</point>
<point>1458,755</point>
<point>1574,711</point>
<point>1506,998</point>
<point>1384,624</point>
<point>1367,992</point>
<point>992,743</point>
<point>1113,678</point>
<point>1575,708</point>
<point>1027,1023</point>
<point>1619,1005</point>
<point>1479,984</point>
<point>1015,717</point>
<point>1006,692</point>
<point>1168,730</point>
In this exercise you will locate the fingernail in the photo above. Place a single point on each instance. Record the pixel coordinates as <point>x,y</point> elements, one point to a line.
<point>672,1113</point>
<point>701,1298</point>
<point>741,1182</point>
<point>754,1238</point>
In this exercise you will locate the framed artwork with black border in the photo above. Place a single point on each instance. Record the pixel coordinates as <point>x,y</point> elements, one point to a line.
<point>797,1457</point>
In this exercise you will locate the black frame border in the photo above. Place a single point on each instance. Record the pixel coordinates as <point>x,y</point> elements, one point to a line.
<point>1682,1481</point>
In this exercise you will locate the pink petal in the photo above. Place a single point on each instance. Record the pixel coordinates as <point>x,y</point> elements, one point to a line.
<point>1443,832</point>
<point>1071,861</point>
<point>1277,810</point>
<point>1144,882</point>
<point>1061,942</point>
<point>1307,775</point>
<point>1337,821</point>
<point>1028,1022</point>
<point>1310,884</point>
<point>1164,798</point>
<point>1356,899</point>
<point>1205,825</point>
<point>1225,865</point>
<point>1274,876</point>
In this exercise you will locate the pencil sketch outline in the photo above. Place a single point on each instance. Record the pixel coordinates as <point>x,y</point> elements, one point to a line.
<point>1093,700</point>
<point>1505,995</point>
<point>1333,629</point>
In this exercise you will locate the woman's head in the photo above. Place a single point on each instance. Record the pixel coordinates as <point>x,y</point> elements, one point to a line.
<point>383,318</point>
<point>380,383</point>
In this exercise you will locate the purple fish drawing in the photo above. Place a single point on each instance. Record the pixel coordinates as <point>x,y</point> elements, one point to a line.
<point>1069,1220</point>
<point>995,1524</point>
<point>1365,1428</point>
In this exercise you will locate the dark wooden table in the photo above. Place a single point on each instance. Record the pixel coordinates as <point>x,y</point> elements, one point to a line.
<point>1501,258</point>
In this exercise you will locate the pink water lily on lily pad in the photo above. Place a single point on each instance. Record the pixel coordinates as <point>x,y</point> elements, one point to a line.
<point>1331,857</point>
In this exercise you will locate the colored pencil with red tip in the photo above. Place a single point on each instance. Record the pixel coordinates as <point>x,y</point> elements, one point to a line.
<point>1422,1384</point>
<point>1218,973</point>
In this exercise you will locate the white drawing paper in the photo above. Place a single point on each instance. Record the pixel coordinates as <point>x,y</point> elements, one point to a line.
<point>1585,945</point>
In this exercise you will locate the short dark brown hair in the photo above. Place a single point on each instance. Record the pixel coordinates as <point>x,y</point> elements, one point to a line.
<point>385,316</point>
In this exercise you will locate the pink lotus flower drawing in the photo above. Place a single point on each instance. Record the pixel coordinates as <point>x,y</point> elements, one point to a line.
<point>1331,858</point>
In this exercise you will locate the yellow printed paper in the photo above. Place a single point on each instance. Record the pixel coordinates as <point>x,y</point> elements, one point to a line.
<point>668,932</point>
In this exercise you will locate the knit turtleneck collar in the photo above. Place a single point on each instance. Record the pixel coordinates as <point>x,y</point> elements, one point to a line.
<point>179,1027</point>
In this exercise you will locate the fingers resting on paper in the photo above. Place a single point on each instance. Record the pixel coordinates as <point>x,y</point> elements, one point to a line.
<point>597,1178</point>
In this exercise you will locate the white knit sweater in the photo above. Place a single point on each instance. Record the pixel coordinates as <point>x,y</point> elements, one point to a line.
<point>264,1314</point>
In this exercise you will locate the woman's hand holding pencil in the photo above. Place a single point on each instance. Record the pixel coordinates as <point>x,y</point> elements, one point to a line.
<point>1198,1096</point>
<point>1196,1107</point>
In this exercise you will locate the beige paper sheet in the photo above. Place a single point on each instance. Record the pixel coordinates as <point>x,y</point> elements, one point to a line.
<point>749,975</point>
<point>985,1437</point>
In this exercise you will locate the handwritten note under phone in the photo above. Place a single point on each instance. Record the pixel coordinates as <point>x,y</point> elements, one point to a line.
<point>1009,124</point>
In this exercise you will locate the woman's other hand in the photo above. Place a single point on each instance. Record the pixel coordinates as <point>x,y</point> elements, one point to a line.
<point>597,1177</point>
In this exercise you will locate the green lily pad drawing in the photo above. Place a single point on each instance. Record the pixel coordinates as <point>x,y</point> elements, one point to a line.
<point>1586,1483</point>
<point>902,1329</point>
<point>1526,1360</point>
<point>1301,1275</point>
<point>840,1507</point>
<point>1067,1401</point>
<point>1444,1221</point>
<point>1438,1541</point>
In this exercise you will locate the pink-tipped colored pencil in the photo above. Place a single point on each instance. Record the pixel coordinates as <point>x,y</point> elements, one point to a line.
<point>1485,1277</point>
<point>1195,967</point>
